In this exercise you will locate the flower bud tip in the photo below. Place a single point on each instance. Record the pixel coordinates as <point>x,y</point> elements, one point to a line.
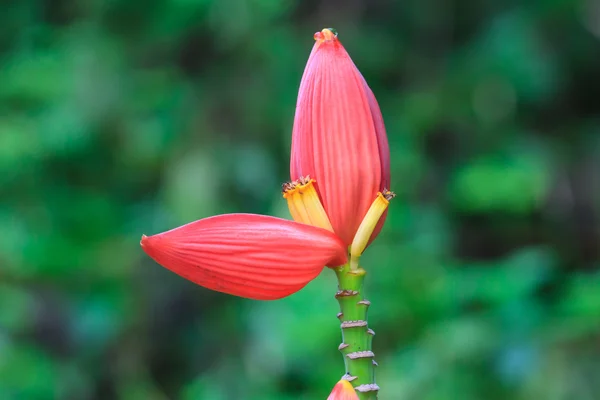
<point>326,34</point>
<point>343,390</point>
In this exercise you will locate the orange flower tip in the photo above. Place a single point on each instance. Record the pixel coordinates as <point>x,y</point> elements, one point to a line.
<point>343,390</point>
<point>144,237</point>
<point>388,195</point>
<point>288,188</point>
<point>327,34</point>
<point>305,180</point>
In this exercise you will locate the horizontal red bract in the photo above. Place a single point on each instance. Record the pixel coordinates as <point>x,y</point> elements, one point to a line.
<point>339,138</point>
<point>247,255</point>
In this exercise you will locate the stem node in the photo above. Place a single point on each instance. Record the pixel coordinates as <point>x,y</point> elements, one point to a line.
<point>356,335</point>
<point>360,354</point>
<point>353,324</point>
<point>371,387</point>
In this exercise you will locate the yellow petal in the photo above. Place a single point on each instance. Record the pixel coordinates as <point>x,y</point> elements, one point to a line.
<point>367,226</point>
<point>304,203</point>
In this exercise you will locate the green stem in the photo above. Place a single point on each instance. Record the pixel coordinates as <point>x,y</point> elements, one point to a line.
<point>356,335</point>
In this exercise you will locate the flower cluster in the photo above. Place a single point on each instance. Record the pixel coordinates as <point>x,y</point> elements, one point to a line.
<point>338,194</point>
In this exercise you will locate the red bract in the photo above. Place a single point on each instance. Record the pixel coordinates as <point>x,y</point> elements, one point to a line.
<point>247,255</point>
<point>339,137</point>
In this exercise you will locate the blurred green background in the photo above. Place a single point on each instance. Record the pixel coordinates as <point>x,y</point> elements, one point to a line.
<point>125,117</point>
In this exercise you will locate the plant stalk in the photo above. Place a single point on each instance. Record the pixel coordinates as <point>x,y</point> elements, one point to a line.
<point>356,335</point>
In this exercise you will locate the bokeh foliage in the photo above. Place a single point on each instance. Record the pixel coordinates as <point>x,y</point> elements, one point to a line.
<point>125,117</point>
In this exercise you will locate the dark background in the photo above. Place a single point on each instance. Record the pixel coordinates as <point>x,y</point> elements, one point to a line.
<point>125,117</point>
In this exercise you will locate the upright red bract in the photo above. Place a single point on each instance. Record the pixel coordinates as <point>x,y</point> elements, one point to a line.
<point>339,137</point>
